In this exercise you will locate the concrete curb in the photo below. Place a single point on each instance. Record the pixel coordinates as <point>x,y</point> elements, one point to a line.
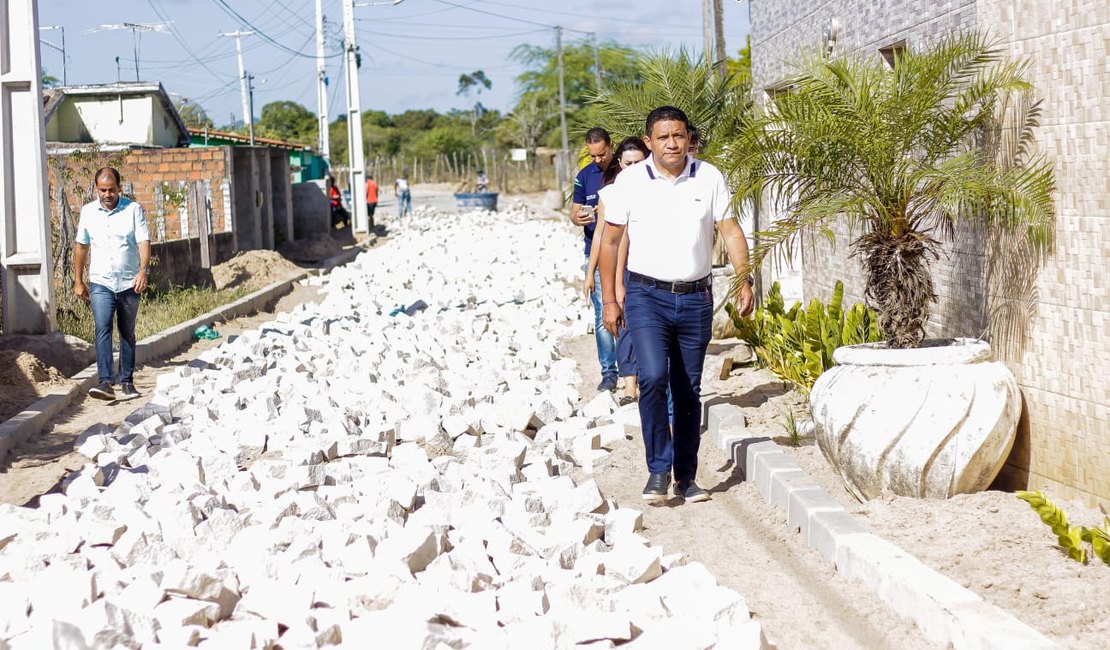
<point>945,611</point>
<point>30,421</point>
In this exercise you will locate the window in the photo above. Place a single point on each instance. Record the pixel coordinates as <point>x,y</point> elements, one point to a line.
<point>891,52</point>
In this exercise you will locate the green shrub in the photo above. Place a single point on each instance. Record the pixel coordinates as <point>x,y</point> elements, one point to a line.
<point>1079,542</point>
<point>797,344</point>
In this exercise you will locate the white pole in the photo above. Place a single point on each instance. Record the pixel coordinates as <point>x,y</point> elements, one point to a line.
<point>355,154</point>
<point>26,264</point>
<point>323,142</point>
<point>248,119</point>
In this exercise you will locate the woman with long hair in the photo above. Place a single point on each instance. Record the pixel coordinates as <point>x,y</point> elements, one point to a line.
<point>629,152</point>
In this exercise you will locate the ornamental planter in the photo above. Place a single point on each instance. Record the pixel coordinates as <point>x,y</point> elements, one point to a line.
<point>924,422</point>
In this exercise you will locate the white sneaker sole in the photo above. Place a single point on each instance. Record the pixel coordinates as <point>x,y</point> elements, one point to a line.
<point>96,393</point>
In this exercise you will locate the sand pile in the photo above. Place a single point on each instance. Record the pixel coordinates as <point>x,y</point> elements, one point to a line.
<point>23,380</point>
<point>253,270</point>
<point>316,249</point>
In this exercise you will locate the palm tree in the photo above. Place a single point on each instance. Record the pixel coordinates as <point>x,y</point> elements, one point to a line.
<point>902,154</point>
<point>714,103</point>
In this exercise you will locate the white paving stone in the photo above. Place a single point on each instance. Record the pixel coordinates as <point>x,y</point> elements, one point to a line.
<point>341,475</point>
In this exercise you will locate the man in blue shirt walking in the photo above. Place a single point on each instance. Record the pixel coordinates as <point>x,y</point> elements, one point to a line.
<point>112,231</point>
<point>583,212</point>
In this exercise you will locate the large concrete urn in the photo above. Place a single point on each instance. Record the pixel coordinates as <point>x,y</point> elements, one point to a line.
<point>924,422</point>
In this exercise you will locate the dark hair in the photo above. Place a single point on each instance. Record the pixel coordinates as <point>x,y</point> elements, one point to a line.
<point>695,135</point>
<point>665,114</point>
<point>628,144</point>
<point>112,171</point>
<point>598,134</point>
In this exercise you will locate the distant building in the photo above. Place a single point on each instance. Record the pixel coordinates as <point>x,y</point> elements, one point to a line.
<point>304,163</point>
<point>125,115</point>
<point>1055,340</point>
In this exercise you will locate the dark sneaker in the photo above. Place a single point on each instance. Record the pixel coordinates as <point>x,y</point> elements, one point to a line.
<point>608,383</point>
<point>690,491</point>
<point>103,391</point>
<point>656,488</point>
<point>127,391</point>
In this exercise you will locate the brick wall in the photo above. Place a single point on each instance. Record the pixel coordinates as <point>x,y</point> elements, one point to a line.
<point>1052,308</point>
<point>156,178</point>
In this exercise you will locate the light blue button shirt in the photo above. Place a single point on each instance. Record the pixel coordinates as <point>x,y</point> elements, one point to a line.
<point>113,237</point>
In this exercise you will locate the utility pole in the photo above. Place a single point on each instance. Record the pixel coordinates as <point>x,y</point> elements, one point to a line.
<point>719,26</point>
<point>26,263</point>
<point>563,173</point>
<point>597,62</point>
<point>323,143</point>
<point>250,103</point>
<point>355,154</point>
<point>707,29</point>
<point>248,115</point>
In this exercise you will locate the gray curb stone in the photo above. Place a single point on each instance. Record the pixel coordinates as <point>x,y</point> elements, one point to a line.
<point>945,611</point>
<point>30,422</point>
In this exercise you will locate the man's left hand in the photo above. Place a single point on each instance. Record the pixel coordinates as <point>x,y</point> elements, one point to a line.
<point>140,282</point>
<point>745,300</point>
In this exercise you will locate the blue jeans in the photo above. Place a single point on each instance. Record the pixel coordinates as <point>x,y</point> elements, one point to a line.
<point>125,307</point>
<point>404,203</point>
<point>670,333</point>
<point>606,344</point>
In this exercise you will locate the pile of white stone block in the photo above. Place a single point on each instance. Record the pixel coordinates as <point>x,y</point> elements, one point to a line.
<point>388,468</point>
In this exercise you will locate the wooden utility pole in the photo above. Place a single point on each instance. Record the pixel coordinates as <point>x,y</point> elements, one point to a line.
<point>597,62</point>
<point>707,28</point>
<point>719,28</point>
<point>561,173</point>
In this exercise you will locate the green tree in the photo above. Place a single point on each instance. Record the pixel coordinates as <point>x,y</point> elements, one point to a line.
<point>714,104</point>
<point>474,81</point>
<point>539,83</point>
<point>193,115</point>
<point>446,140</point>
<point>740,68</point>
<point>49,80</point>
<point>289,121</point>
<point>903,155</point>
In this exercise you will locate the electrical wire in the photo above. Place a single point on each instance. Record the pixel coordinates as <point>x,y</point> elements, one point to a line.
<point>623,20</point>
<point>504,17</point>
<point>453,38</point>
<point>246,23</point>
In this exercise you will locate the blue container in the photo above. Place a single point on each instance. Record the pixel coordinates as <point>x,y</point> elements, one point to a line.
<point>484,200</point>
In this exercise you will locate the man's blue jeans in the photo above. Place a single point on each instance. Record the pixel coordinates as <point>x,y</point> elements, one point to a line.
<point>606,344</point>
<point>670,333</point>
<point>404,203</point>
<point>124,306</point>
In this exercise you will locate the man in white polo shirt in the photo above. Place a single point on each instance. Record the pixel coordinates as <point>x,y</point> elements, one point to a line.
<point>669,205</point>
<point>113,230</point>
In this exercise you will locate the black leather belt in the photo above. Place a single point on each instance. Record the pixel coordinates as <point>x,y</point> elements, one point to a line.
<point>673,287</point>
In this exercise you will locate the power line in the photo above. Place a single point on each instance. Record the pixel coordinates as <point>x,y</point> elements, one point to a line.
<point>504,17</point>
<point>155,6</point>
<point>483,37</point>
<point>246,23</point>
<point>623,20</point>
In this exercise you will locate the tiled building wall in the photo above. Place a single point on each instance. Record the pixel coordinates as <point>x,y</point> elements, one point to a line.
<point>1054,312</point>
<point>1062,354</point>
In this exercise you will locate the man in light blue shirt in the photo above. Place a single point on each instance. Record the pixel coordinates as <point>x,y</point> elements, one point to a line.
<point>113,230</point>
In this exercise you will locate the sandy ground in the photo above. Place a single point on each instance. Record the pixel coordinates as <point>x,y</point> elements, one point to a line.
<point>991,542</point>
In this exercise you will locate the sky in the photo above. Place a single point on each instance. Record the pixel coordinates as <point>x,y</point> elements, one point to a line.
<point>413,52</point>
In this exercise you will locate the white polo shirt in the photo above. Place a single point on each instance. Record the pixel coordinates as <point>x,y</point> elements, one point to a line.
<point>670,223</point>
<point>113,238</point>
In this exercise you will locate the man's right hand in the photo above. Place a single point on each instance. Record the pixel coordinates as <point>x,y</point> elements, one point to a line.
<point>612,317</point>
<point>81,290</point>
<point>580,218</point>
